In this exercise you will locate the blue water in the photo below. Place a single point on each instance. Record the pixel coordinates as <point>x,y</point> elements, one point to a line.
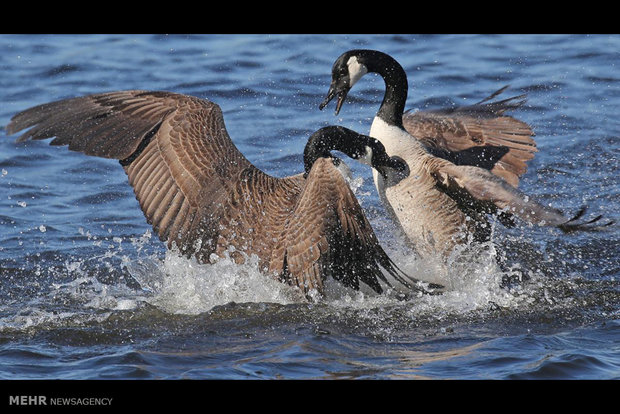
<point>88,292</point>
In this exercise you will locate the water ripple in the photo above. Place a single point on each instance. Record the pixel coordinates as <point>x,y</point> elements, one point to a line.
<point>96,295</point>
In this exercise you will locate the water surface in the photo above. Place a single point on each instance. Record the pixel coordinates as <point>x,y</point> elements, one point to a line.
<point>88,292</point>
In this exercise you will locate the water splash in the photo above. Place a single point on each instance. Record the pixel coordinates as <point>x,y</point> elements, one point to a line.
<point>81,292</point>
<point>183,286</point>
<point>80,301</point>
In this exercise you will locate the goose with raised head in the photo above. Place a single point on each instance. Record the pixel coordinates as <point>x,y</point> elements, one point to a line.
<point>203,196</point>
<point>464,163</point>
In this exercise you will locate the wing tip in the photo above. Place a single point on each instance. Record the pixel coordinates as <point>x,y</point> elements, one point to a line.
<point>573,224</point>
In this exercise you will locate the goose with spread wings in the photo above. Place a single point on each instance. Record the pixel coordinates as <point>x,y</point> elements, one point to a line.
<point>203,196</point>
<point>464,163</point>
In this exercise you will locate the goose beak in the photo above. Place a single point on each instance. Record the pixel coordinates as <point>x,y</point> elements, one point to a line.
<point>340,93</point>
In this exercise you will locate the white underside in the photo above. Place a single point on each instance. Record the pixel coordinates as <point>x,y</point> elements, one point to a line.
<point>392,137</point>
<point>403,207</point>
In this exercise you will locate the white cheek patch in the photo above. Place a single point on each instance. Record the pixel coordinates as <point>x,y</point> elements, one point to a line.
<point>367,157</point>
<point>356,70</point>
<point>344,169</point>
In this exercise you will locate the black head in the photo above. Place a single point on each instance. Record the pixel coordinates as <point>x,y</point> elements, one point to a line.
<point>354,64</point>
<point>374,154</point>
<point>357,146</point>
<point>347,70</point>
<point>350,67</point>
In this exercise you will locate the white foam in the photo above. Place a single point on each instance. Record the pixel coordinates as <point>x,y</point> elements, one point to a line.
<point>472,279</point>
<point>184,286</point>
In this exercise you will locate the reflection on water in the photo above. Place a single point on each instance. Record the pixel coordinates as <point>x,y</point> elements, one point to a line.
<point>412,360</point>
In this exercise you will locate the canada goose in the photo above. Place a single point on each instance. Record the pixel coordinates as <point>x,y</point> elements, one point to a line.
<point>464,163</point>
<point>204,197</point>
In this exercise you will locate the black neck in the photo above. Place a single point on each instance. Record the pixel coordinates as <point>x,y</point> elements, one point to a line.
<point>394,100</point>
<point>332,138</point>
<point>338,138</point>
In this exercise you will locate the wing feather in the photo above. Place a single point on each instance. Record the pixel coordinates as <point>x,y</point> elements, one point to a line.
<point>181,161</point>
<point>463,133</point>
<point>494,194</point>
<point>328,234</point>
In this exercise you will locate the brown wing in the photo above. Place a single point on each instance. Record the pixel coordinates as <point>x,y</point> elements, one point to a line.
<point>192,183</point>
<point>328,234</point>
<point>493,193</point>
<point>479,135</point>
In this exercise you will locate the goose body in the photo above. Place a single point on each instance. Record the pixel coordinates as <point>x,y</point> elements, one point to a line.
<point>429,218</point>
<point>203,197</point>
<point>464,163</point>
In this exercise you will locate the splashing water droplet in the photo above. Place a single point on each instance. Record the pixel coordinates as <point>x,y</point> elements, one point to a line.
<point>184,286</point>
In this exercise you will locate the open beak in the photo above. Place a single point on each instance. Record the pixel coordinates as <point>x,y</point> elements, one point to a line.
<point>341,94</point>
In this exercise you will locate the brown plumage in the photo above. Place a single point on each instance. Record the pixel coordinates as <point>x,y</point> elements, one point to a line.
<point>479,135</point>
<point>203,196</point>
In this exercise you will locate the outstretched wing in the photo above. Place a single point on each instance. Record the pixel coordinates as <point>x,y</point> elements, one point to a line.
<point>328,234</point>
<point>491,193</point>
<point>479,135</point>
<point>187,174</point>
